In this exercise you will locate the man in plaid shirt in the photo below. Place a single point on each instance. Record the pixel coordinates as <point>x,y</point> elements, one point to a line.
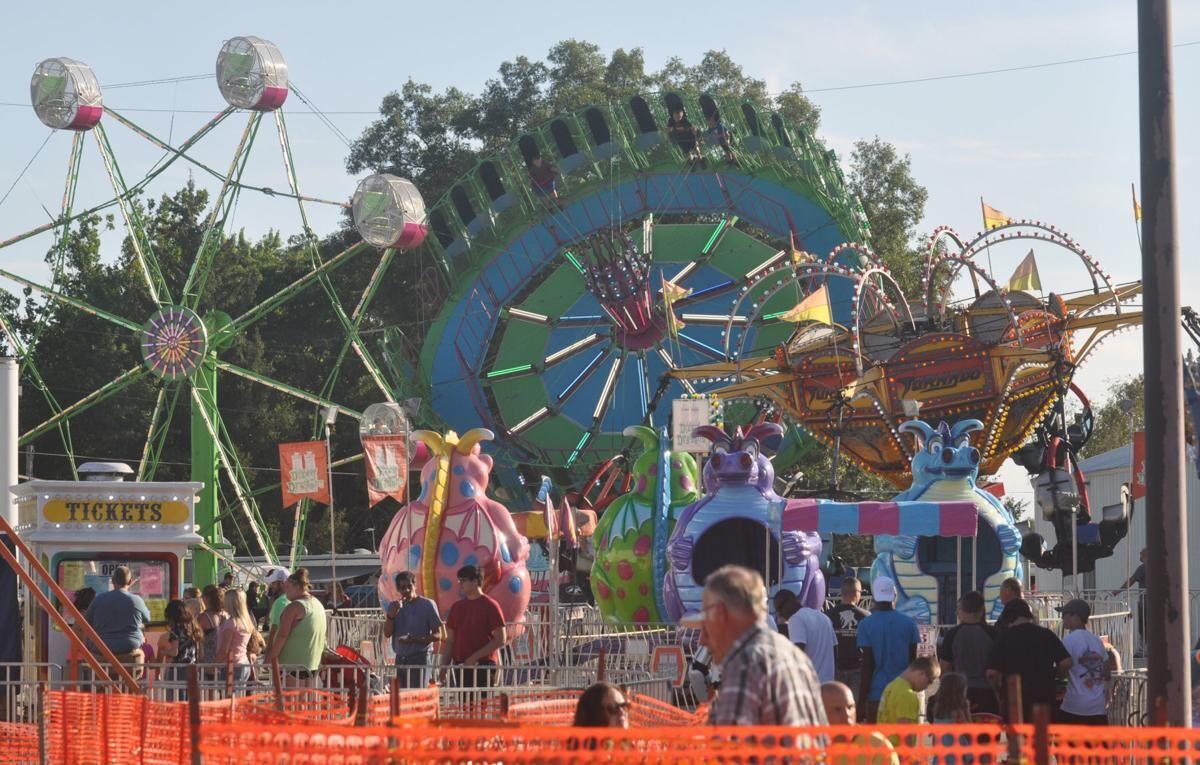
<point>765,680</point>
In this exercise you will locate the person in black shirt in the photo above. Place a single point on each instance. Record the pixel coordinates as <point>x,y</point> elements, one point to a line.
<point>1010,589</point>
<point>683,133</point>
<point>847,656</point>
<point>965,649</point>
<point>1031,652</point>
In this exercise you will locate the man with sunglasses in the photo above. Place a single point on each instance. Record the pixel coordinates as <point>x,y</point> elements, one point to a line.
<point>474,633</point>
<point>765,680</point>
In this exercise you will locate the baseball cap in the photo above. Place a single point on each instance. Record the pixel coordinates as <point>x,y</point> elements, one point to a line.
<point>883,589</point>
<point>1076,607</point>
<point>279,575</point>
<point>1016,609</point>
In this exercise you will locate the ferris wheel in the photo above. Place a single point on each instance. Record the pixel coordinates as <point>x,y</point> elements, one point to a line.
<point>183,342</point>
<point>564,308</point>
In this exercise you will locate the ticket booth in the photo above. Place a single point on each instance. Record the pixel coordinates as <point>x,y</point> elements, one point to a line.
<point>82,530</point>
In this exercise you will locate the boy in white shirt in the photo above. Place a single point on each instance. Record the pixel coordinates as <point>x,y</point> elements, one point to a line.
<point>1086,702</point>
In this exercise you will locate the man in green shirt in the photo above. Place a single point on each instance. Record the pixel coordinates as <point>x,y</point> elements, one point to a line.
<point>299,640</point>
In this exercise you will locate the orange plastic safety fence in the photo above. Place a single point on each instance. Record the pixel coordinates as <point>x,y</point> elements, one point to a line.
<point>100,728</point>
<point>243,745</point>
<point>18,742</point>
<point>1078,744</point>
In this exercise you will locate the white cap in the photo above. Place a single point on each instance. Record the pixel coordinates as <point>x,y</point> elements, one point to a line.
<point>883,589</point>
<point>278,574</point>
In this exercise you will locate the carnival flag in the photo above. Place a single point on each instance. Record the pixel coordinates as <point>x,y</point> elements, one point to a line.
<point>1137,208</point>
<point>814,307</point>
<point>672,292</point>
<point>992,217</point>
<point>1026,276</point>
<point>1137,484</point>
<point>387,467</point>
<point>304,469</point>
<point>570,534</point>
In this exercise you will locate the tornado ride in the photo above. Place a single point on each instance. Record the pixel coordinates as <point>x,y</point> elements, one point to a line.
<point>554,330</point>
<point>184,340</point>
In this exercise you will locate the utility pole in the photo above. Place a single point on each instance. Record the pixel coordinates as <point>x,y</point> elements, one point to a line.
<point>1166,520</point>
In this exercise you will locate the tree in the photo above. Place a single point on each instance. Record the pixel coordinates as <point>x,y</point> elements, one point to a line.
<point>798,109</point>
<point>1115,420</point>
<point>894,202</point>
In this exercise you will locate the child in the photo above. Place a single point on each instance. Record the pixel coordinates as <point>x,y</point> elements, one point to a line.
<point>950,704</point>
<point>718,134</point>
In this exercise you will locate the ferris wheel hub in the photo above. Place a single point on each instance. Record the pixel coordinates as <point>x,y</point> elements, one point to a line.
<point>174,341</point>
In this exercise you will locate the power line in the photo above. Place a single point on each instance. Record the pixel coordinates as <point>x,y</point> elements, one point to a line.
<point>985,72</point>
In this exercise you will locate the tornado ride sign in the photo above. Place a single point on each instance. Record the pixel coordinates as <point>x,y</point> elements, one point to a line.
<point>687,414</point>
<point>304,472</point>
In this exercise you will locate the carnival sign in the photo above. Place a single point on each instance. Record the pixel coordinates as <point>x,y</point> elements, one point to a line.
<point>387,467</point>
<point>304,472</point>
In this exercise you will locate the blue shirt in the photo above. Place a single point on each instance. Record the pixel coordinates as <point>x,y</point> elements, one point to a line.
<point>418,616</point>
<point>118,616</point>
<point>888,634</point>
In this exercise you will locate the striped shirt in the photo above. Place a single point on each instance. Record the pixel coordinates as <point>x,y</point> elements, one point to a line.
<point>766,680</point>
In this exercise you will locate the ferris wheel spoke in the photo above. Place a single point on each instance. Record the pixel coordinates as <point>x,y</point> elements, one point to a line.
<point>669,360</point>
<point>257,313</point>
<point>285,388</point>
<point>225,457</point>
<point>193,286</point>
<point>114,386</point>
<point>73,302</point>
<point>142,251</point>
<point>179,153</point>
<point>156,434</point>
<point>702,348</point>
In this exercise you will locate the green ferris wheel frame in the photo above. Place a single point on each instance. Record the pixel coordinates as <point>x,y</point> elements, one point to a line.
<point>213,453</point>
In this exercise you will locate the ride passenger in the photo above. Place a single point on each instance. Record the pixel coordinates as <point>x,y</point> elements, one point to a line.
<point>544,175</point>
<point>683,133</point>
<point>718,134</point>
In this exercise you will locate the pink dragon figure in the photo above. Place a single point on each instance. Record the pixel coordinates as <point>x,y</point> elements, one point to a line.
<point>453,524</point>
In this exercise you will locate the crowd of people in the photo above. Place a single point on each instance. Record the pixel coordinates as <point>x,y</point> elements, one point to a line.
<point>868,662</point>
<point>222,628</point>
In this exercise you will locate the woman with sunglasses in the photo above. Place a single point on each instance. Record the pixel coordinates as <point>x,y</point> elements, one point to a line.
<point>603,705</point>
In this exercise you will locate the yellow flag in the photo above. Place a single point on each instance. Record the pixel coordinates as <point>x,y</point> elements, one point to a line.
<point>815,307</point>
<point>1026,277</point>
<point>1137,208</point>
<point>993,217</point>
<point>672,292</point>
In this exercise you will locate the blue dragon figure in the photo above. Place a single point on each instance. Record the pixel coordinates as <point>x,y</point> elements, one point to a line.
<point>944,469</point>
<point>737,521</point>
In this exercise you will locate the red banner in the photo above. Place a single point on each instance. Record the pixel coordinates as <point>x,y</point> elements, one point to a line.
<point>387,467</point>
<point>304,468</point>
<point>1137,482</point>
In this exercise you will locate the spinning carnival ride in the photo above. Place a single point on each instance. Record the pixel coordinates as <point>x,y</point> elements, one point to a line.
<point>1001,357</point>
<point>553,330</point>
<point>184,340</point>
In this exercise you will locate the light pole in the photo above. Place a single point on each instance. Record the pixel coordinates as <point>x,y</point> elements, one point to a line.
<point>331,415</point>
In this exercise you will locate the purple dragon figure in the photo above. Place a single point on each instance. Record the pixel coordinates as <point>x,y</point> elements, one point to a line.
<point>738,520</point>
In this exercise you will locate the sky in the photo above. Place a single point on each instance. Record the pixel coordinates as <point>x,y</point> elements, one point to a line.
<point>1057,143</point>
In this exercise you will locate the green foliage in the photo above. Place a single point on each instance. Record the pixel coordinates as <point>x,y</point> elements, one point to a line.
<point>433,138</point>
<point>894,202</point>
<point>1112,426</point>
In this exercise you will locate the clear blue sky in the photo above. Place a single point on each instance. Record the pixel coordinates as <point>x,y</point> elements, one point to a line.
<point>1058,143</point>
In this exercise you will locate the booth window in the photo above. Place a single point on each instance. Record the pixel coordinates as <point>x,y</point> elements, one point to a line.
<point>153,579</point>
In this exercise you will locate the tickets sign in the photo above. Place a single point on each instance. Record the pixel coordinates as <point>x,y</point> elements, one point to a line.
<point>114,511</point>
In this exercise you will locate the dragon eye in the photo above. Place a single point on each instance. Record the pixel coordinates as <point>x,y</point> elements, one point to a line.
<point>750,448</point>
<point>935,447</point>
<point>720,448</point>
